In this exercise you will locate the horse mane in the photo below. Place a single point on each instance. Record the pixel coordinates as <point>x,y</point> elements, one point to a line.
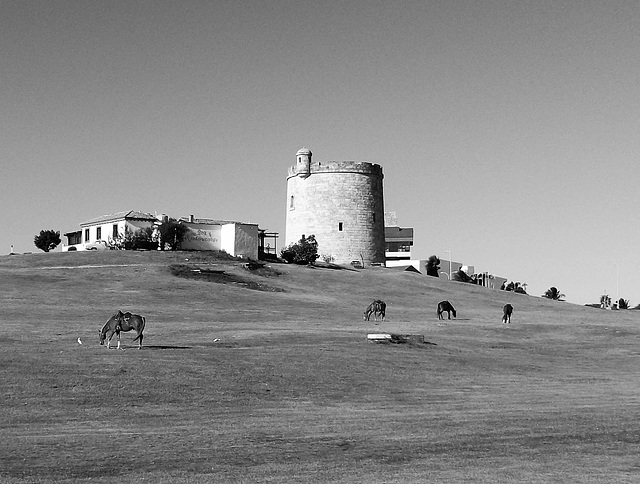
<point>114,318</point>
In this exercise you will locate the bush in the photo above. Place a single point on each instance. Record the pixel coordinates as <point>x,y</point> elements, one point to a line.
<point>47,240</point>
<point>142,239</point>
<point>554,294</point>
<point>305,251</point>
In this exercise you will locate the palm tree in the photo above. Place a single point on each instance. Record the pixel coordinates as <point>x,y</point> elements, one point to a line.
<point>554,294</point>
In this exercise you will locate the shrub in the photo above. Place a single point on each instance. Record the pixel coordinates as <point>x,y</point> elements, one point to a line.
<point>554,294</point>
<point>305,251</point>
<point>142,239</point>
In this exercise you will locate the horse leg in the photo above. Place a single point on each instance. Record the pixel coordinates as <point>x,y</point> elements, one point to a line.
<point>118,340</point>
<point>140,342</point>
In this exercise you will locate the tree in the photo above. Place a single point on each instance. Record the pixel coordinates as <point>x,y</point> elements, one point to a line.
<point>171,233</point>
<point>433,266</point>
<point>623,304</point>
<point>554,294</point>
<point>135,240</point>
<point>305,251</point>
<point>47,240</point>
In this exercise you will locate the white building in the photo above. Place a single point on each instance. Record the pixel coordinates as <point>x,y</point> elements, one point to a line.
<point>101,232</point>
<point>235,238</point>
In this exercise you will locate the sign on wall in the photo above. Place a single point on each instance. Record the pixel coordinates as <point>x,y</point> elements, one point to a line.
<point>202,237</point>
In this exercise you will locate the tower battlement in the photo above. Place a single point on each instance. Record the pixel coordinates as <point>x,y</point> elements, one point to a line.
<point>363,167</point>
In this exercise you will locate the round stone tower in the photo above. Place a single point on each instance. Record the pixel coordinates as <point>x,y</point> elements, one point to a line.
<point>341,203</point>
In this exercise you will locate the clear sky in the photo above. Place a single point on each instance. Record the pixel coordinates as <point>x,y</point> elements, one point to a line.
<point>508,131</point>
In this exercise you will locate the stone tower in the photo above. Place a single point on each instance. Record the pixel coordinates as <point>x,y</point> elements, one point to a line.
<point>341,203</point>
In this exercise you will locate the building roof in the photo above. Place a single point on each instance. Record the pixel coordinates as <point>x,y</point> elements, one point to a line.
<point>211,221</point>
<point>129,215</point>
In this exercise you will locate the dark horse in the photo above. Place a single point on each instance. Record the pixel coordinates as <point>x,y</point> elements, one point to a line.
<point>446,306</point>
<point>375,308</point>
<point>122,322</point>
<point>507,310</point>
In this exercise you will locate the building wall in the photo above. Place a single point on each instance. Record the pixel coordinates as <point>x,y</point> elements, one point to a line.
<point>199,236</point>
<point>342,205</point>
<point>236,239</point>
<point>241,240</point>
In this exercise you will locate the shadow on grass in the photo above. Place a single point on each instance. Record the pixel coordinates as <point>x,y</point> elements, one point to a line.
<point>153,347</point>
<point>220,276</point>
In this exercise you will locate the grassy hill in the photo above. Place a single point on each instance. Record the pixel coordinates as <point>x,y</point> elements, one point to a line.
<point>267,376</point>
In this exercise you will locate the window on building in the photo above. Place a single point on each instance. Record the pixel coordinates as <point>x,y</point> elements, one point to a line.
<point>291,203</point>
<point>373,218</point>
<point>99,233</point>
<point>340,226</point>
<point>115,231</point>
<point>86,235</point>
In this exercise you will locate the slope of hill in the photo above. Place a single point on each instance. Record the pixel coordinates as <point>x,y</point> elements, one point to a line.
<point>269,377</point>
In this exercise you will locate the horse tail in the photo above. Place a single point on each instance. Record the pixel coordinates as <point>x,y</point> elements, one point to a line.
<point>144,321</point>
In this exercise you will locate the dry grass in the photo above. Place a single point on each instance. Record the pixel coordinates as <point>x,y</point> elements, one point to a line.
<point>292,391</point>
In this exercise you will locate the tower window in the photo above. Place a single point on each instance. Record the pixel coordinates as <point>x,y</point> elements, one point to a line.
<point>340,226</point>
<point>291,206</point>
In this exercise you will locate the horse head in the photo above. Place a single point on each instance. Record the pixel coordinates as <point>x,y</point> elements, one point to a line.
<point>110,326</point>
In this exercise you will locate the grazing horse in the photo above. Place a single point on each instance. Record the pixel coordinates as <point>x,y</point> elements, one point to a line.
<point>507,310</point>
<point>375,308</point>
<point>122,322</point>
<point>446,306</point>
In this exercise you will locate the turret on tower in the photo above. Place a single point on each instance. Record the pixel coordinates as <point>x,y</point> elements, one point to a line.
<point>303,162</point>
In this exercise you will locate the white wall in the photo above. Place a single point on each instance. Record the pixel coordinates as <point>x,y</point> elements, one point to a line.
<point>236,239</point>
<point>202,237</point>
<point>246,241</point>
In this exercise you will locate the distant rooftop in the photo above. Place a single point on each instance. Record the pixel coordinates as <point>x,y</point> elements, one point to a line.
<point>128,215</point>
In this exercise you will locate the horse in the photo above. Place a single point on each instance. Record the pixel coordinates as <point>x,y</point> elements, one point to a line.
<point>445,306</point>
<point>122,322</point>
<point>507,310</point>
<point>375,308</point>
